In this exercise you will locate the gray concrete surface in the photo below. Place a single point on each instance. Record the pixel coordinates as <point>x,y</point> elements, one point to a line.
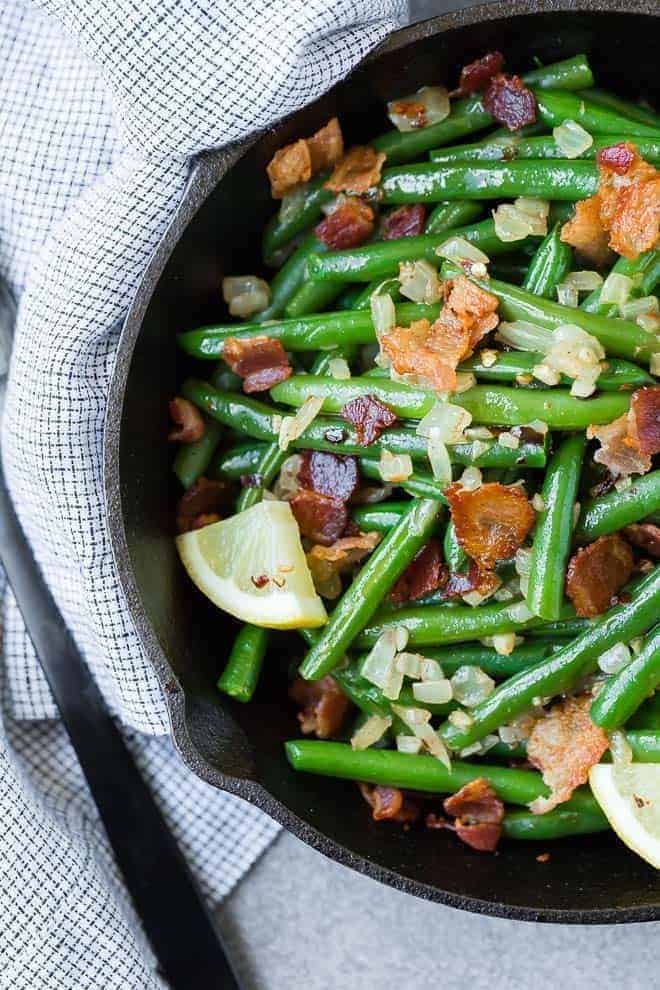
<point>300,921</point>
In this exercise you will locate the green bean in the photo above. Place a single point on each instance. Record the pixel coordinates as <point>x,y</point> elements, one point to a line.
<point>564,629</point>
<point>370,699</point>
<point>382,259</point>
<point>380,517</point>
<point>549,266</point>
<point>468,116</point>
<point>383,287</point>
<point>237,461</point>
<point>563,669</point>
<point>430,183</point>
<point>551,544</point>
<point>556,824</point>
<point>455,556</point>
<point>510,268</point>
<point>511,147</point>
<point>312,297</point>
<point>623,693</point>
<point>647,716</point>
<point>510,366</point>
<point>349,296</point>
<point>610,513</point>
<point>309,333</point>
<point>457,213</point>
<point>644,743</point>
<point>554,108</point>
<point>489,404</point>
<point>620,338</point>
<point>643,270</point>
<point>286,283</point>
<point>192,459</point>
<point>633,111</point>
<point>240,676</point>
<point>378,574</point>
<point>290,221</point>
<point>420,773</point>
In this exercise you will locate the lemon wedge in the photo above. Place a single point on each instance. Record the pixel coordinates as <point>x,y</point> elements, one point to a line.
<point>253,566</point>
<point>630,798</point>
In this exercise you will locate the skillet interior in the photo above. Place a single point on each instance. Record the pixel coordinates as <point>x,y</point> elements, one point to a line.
<point>238,747</point>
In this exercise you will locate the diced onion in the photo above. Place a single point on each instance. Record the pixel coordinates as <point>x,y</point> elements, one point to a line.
<point>654,364</point>
<point>488,357</point>
<point>480,747</point>
<point>432,692</point>
<point>339,369</point>
<point>524,217</point>
<point>434,100</point>
<point>379,665</point>
<point>245,294</point>
<point>478,449</point>
<point>445,422</point>
<point>417,719</point>
<point>294,426</point>
<point>509,440</point>
<point>576,513</point>
<point>475,598</point>
<point>522,561</point>
<point>409,664</point>
<point>471,686</point>
<point>478,433</point>
<point>383,313</point>
<point>471,479</point>
<point>575,353</point>
<point>408,744</point>
<point>584,281</point>
<point>520,613</point>
<point>419,281</point>
<point>465,380</point>
<point>287,484</point>
<point>439,460</point>
<point>373,729</point>
<point>504,643</point>
<point>525,336</point>
<point>412,717</point>
<point>430,670</point>
<point>620,748</point>
<point>537,503</point>
<point>532,207</point>
<point>636,645</point>
<point>395,467</point>
<point>461,719</point>
<point>538,426</point>
<point>615,659</point>
<point>567,295</point>
<point>649,322</point>
<point>572,139</point>
<point>460,249</point>
<point>518,729</point>
<point>616,289</point>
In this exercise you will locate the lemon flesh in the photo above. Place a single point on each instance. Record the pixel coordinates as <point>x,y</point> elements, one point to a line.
<point>630,799</point>
<point>253,566</point>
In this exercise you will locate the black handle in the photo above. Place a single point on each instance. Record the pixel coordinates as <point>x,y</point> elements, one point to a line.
<point>175,918</point>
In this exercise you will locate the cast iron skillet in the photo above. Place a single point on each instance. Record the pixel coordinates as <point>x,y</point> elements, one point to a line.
<point>239,747</point>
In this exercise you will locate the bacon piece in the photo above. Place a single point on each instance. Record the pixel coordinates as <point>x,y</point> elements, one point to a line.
<point>618,157</point>
<point>327,563</point>
<point>369,416</point>
<point>350,225</point>
<point>475,579</point>
<point>585,232</point>
<point>477,75</point>
<point>596,572</point>
<point>510,102</point>
<point>261,362</point>
<point>491,522</point>
<point>320,518</point>
<point>407,221</point>
<point>564,746</point>
<point>425,573</point>
<point>357,172</point>
<point>476,308</point>
<point>201,504</point>
<point>326,147</point>
<point>324,706</point>
<point>479,813</point>
<point>389,803</point>
<point>636,225</point>
<point>646,536</point>
<point>189,422</point>
<point>336,475</point>
<point>645,409</point>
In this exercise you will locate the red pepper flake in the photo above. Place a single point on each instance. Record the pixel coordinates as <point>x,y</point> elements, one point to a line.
<point>477,75</point>
<point>407,221</point>
<point>369,416</point>
<point>260,580</point>
<point>261,362</point>
<point>349,226</point>
<point>329,474</point>
<point>509,101</point>
<point>319,517</point>
<point>618,157</point>
<point>425,574</point>
<point>597,573</point>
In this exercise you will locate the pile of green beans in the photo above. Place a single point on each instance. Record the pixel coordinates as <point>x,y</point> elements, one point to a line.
<point>526,636</point>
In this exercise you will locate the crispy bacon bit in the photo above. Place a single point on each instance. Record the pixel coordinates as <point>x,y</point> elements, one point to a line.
<point>645,409</point>
<point>357,172</point>
<point>478,812</point>
<point>369,416</point>
<point>350,225</point>
<point>320,518</point>
<point>618,157</point>
<point>475,579</point>
<point>636,225</point>
<point>597,572</point>
<point>585,232</point>
<point>646,536</point>
<point>433,353</point>
<point>407,221</point>
<point>189,422</point>
<point>324,706</point>
<point>491,522</point>
<point>564,746</point>
<point>510,102</point>
<point>203,499</point>
<point>260,361</point>
<point>390,803</point>
<point>426,573</point>
<point>327,563</point>
<point>297,162</point>
<point>477,75</point>
<point>336,475</point>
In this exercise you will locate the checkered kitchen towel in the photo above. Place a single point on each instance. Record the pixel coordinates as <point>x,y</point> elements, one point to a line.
<point>102,103</point>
